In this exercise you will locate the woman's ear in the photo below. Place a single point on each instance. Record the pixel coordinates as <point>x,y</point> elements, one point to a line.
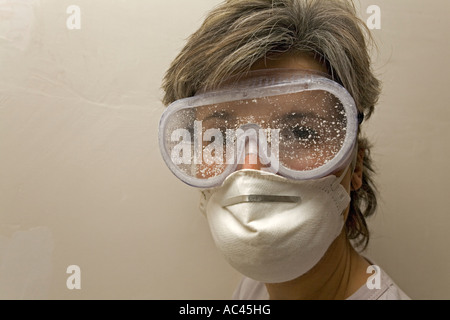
<point>357,175</point>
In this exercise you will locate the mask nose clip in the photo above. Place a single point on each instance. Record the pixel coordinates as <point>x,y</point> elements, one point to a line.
<point>260,198</point>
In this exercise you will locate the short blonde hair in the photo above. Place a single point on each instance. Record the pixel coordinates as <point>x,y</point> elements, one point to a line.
<point>239,32</point>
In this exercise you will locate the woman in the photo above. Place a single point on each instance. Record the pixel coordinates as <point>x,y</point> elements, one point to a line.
<point>266,101</point>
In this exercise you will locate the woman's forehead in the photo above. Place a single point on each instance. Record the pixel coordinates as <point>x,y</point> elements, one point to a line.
<point>290,60</point>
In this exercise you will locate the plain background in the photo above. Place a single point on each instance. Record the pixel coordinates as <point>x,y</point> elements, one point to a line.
<point>81,177</point>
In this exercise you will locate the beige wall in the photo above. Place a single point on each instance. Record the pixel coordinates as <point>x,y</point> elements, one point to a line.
<point>82,181</point>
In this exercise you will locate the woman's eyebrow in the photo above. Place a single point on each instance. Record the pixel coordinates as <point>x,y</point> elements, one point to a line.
<point>299,115</point>
<point>218,115</point>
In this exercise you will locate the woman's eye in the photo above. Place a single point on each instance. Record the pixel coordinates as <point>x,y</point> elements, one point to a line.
<point>299,133</point>
<point>303,133</point>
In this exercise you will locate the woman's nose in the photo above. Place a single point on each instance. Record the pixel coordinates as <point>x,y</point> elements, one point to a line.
<point>251,161</point>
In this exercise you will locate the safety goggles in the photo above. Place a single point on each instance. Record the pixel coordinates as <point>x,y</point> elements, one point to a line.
<point>298,124</point>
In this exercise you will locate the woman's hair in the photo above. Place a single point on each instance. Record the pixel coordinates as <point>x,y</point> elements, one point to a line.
<point>238,33</point>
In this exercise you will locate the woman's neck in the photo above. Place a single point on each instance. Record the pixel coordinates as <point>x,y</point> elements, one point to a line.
<point>340,273</point>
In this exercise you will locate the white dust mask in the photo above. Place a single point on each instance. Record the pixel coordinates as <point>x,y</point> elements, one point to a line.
<point>273,229</point>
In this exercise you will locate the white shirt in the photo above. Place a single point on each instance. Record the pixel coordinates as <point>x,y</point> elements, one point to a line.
<point>249,289</point>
